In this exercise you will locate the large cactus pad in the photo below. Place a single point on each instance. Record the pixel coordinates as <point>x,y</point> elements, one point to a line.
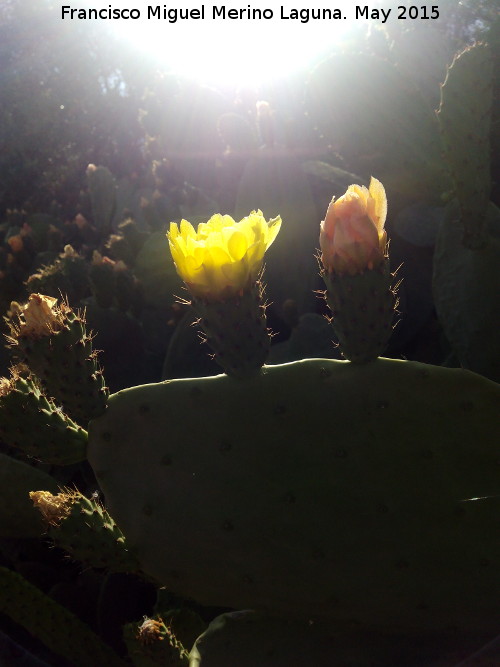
<point>318,488</point>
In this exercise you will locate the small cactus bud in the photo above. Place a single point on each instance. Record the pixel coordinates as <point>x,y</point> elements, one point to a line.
<point>356,271</point>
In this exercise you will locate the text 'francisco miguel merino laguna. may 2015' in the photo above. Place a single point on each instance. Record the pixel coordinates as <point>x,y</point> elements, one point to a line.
<point>223,12</point>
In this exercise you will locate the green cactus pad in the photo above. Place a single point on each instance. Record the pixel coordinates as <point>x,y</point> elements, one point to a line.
<point>60,630</point>
<point>376,117</point>
<point>420,54</point>
<point>68,275</point>
<point>319,488</point>
<point>84,528</point>
<point>466,285</point>
<point>51,339</point>
<point>32,422</point>
<point>465,120</point>
<point>249,639</point>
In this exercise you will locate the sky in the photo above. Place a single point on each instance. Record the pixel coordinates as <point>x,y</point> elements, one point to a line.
<point>250,49</point>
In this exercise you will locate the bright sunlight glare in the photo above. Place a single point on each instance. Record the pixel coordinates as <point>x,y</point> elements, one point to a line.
<point>265,42</point>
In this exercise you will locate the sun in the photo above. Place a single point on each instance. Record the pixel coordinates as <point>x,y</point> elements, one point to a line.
<point>235,43</point>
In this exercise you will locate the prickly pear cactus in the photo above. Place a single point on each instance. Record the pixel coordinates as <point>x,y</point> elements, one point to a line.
<point>31,422</point>
<point>84,528</point>
<point>67,275</point>
<point>249,638</point>
<point>60,630</point>
<point>53,341</point>
<point>318,488</point>
<point>466,282</point>
<point>466,285</point>
<point>421,54</point>
<point>236,330</point>
<point>375,116</point>
<point>363,307</point>
<point>465,121</point>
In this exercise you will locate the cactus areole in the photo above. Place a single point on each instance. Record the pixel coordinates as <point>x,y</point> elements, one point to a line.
<point>319,488</point>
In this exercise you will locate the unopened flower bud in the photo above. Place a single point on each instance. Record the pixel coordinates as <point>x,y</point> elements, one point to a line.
<point>352,235</point>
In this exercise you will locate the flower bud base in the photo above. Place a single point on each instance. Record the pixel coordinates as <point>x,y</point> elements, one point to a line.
<point>236,330</point>
<point>362,309</point>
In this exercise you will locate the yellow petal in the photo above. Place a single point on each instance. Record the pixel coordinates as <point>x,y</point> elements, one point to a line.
<point>237,245</point>
<point>173,232</point>
<point>216,256</point>
<point>254,258</point>
<point>246,227</point>
<point>196,252</point>
<point>191,265</point>
<point>221,255</point>
<point>216,223</point>
<point>228,221</point>
<point>187,229</point>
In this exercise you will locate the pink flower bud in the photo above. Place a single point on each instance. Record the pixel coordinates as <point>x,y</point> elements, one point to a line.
<point>352,236</point>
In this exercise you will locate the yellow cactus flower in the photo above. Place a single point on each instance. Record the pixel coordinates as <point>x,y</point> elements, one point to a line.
<point>222,257</point>
<point>352,236</point>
